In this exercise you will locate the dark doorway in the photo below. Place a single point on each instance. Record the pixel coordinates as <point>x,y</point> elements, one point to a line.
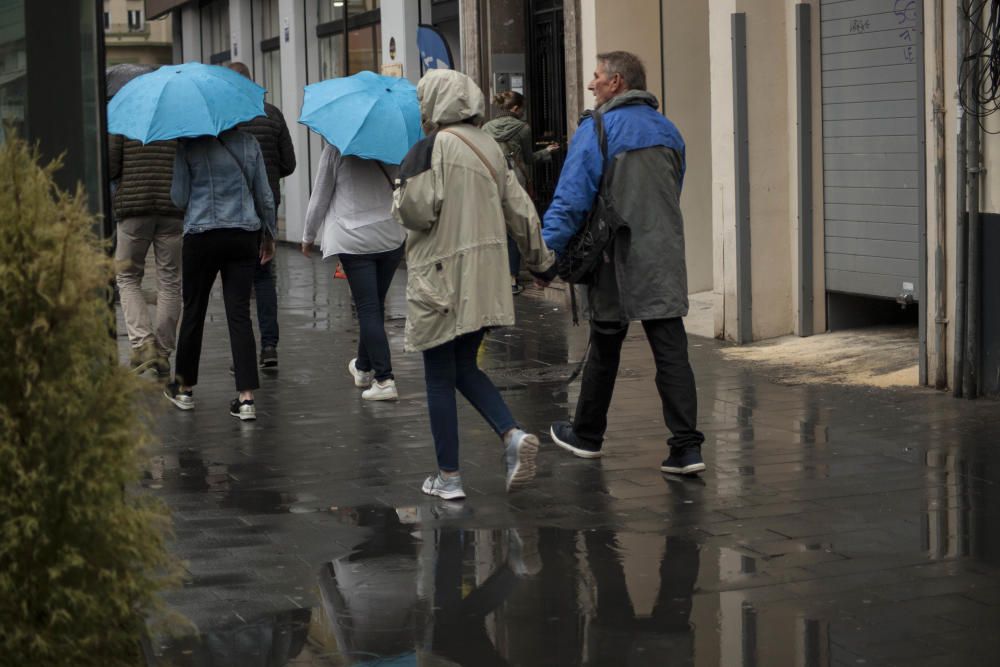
<point>546,90</point>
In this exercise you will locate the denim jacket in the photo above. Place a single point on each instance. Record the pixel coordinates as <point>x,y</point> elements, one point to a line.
<point>217,193</point>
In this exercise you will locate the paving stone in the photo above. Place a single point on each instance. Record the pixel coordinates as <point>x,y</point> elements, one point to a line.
<point>834,526</point>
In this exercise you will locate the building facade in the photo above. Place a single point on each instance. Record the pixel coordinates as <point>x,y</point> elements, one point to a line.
<point>130,38</point>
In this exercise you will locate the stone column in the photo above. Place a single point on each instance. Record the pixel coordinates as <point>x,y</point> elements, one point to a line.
<point>190,20</point>
<point>399,28</point>
<point>241,34</point>
<point>293,37</point>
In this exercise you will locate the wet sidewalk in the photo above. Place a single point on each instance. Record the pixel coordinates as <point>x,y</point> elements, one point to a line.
<point>835,526</point>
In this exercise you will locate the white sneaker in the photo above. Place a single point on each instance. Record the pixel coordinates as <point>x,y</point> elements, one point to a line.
<point>362,379</point>
<point>449,488</point>
<point>381,391</point>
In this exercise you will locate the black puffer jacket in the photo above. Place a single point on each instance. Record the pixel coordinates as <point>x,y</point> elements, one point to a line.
<point>271,133</point>
<point>145,174</point>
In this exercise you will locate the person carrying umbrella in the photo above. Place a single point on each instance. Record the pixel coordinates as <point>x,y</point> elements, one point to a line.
<point>271,133</point>
<point>459,200</point>
<point>145,218</point>
<point>220,182</point>
<point>369,122</point>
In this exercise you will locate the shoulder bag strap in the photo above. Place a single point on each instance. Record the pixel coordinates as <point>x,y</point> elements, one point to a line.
<point>479,153</point>
<point>381,167</point>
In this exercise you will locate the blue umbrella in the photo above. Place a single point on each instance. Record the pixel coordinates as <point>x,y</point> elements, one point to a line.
<point>371,116</point>
<point>189,100</point>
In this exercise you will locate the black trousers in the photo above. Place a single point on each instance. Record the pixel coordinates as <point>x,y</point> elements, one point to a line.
<point>674,381</point>
<point>234,253</point>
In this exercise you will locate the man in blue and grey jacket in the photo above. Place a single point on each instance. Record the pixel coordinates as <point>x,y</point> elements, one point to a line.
<point>643,276</point>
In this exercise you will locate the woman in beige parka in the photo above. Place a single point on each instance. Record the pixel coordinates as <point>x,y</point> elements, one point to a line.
<point>458,199</point>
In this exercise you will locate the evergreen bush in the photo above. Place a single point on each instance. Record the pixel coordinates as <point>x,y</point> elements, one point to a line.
<point>81,557</point>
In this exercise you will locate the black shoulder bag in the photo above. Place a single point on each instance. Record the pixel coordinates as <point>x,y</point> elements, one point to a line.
<point>588,247</point>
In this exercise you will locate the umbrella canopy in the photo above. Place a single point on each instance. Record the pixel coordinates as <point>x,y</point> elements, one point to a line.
<point>118,75</point>
<point>189,100</point>
<point>368,115</point>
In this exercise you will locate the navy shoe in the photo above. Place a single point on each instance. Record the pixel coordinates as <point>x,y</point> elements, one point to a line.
<point>686,461</point>
<point>562,434</point>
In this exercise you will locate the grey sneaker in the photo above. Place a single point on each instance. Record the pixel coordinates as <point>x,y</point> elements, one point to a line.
<point>142,358</point>
<point>184,400</point>
<point>520,458</point>
<point>243,410</point>
<point>162,365</point>
<point>362,379</point>
<point>449,488</point>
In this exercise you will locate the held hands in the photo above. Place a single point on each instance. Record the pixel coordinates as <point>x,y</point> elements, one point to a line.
<point>552,148</point>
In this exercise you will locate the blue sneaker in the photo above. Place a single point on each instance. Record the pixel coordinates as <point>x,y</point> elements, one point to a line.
<point>686,461</point>
<point>449,488</point>
<point>520,458</point>
<point>563,435</point>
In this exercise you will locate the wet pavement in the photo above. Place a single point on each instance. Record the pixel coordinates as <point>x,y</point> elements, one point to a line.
<point>835,526</point>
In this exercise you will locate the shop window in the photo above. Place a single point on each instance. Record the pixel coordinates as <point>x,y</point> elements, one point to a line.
<point>350,37</point>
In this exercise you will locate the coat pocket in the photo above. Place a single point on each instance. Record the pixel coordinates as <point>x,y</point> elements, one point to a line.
<point>430,287</point>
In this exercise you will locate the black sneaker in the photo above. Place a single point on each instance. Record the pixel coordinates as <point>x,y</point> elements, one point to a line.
<point>516,289</point>
<point>243,410</point>
<point>562,434</point>
<point>269,357</point>
<point>686,461</point>
<point>184,400</point>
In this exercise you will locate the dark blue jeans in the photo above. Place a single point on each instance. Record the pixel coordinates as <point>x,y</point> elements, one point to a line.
<point>267,304</point>
<point>369,277</point>
<point>453,366</point>
<point>513,256</point>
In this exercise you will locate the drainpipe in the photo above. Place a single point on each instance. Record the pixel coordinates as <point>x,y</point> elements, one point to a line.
<point>941,306</point>
<point>961,229</point>
<point>974,160</point>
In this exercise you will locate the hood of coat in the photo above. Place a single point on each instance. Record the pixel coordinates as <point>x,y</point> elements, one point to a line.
<point>503,128</point>
<point>630,97</point>
<point>448,97</point>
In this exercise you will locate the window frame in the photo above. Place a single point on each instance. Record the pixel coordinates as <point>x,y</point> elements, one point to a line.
<point>368,19</point>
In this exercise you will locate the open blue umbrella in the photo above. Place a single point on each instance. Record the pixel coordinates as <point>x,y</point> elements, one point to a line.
<point>368,115</point>
<point>189,100</point>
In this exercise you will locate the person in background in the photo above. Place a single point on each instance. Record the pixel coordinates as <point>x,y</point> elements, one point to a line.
<point>459,200</point>
<point>147,218</point>
<point>514,136</point>
<point>275,142</point>
<point>229,227</point>
<point>351,201</point>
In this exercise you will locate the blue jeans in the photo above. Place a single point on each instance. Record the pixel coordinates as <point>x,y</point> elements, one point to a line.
<point>267,304</point>
<point>369,277</point>
<point>453,366</point>
<point>513,256</point>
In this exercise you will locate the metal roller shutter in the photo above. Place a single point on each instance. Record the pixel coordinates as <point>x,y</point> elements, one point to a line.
<point>873,176</point>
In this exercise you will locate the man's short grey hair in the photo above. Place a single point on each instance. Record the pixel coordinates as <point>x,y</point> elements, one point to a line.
<point>627,65</point>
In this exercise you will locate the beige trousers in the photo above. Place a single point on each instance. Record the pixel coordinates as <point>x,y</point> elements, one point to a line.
<point>135,236</point>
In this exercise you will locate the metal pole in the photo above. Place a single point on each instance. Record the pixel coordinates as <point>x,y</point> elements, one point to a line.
<point>974,157</point>
<point>803,52</point>
<point>741,143</point>
<point>961,228</point>
<point>940,280</point>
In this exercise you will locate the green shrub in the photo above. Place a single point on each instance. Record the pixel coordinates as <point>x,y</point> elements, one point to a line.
<point>81,557</point>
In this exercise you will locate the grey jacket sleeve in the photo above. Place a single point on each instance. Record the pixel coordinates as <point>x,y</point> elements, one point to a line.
<point>322,194</point>
<point>262,194</point>
<point>180,190</point>
<point>524,226</point>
